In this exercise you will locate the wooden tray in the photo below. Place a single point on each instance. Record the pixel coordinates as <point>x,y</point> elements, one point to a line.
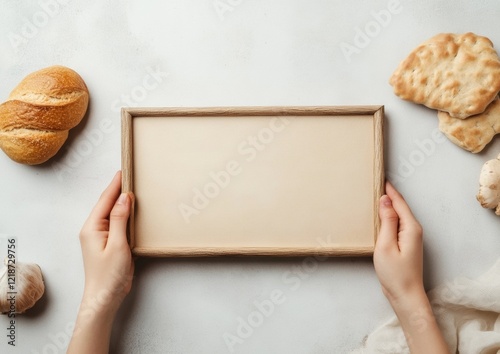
<point>281,181</point>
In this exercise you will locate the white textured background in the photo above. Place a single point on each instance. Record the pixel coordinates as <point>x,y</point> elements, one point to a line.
<point>255,53</point>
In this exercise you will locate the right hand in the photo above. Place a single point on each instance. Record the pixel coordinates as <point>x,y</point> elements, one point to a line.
<point>398,256</point>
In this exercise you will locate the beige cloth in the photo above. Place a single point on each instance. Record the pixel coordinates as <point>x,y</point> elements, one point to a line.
<point>468,312</point>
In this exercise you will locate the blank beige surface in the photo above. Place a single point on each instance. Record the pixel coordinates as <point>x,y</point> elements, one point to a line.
<point>296,180</point>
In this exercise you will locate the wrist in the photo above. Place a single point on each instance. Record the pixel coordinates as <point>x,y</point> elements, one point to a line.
<point>408,300</point>
<point>402,296</point>
<point>92,328</point>
<point>100,304</point>
<point>92,319</point>
<point>413,309</point>
<point>419,324</point>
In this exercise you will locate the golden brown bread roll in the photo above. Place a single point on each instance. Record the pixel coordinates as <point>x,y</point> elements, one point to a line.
<point>36,118</point>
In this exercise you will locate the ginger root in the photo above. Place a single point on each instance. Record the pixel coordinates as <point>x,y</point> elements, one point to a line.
<point>489,185</point>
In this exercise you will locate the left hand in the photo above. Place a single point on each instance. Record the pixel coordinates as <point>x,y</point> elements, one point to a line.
<point>107,259</point>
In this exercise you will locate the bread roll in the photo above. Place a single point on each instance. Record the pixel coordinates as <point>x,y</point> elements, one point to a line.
<point>36,118</point>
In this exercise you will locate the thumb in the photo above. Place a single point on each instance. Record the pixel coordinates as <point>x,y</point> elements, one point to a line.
<point>118,220</point>
<point>389,222</point>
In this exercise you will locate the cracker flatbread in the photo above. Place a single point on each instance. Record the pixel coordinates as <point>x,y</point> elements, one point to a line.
<point>473,133</point>
<point>455,73</point>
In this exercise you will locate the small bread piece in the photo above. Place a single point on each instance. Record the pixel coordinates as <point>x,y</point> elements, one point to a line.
<point>475,132</point>
<point>455,73</point>
<point>36,118</point>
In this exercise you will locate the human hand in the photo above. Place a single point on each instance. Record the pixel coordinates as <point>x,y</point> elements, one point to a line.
<point>106,253</point>
<point>398,256</point>
<point>109,268</point>
<point>398,260</point>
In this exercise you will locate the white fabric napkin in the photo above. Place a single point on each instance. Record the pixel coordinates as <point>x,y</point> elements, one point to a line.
<point>467,311</point>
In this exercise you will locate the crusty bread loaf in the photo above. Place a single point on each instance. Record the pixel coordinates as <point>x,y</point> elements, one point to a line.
<point>36,118</point>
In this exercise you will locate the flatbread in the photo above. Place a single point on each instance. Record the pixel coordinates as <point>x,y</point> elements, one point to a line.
<point>473,133</point>
<point>455,73</point>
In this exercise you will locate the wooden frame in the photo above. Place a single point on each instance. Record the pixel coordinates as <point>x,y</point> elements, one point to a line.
<point>325,161</point>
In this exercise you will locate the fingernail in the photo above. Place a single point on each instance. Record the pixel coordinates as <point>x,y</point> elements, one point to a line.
<point>122,199</point>
<point>386,201</point>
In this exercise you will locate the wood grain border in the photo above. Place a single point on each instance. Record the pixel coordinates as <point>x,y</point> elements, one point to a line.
<point>127,140</point>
